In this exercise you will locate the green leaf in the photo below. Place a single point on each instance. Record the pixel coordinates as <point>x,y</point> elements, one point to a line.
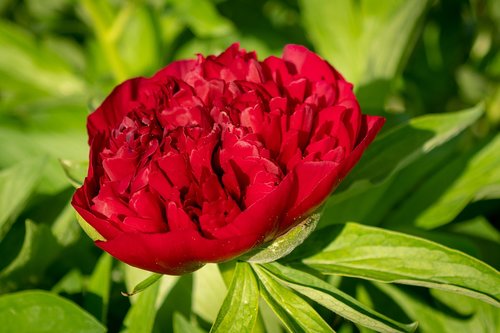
<point>459,181</point>
<point>387,256</point>
<point>181,325</point>
<point>384,177</point>
<point>283,245</point>
<point>477,317</point>
<point>16,186</point>
<point>139,33</point>
<point>240,308</point>
<point>209,291</point>
<point>295,313</point>
<point>135,277</point>
<point>411,141</point>
<point>19,146</point>
<point>57,114</point>
<point>44,312</point>
<point>144,284</point>
<point>375,204</point>
<point>71,283</point>
<point>22,145</point>
<point>75,171</point>
<point>491,190</point>
<point>64,228</point>
<point>271,322</point>
<point>478,227</point>
<point>180,300</point>
<point>337,301</point>
<point>141,316</point>
<point>29,69</point>
<point>202,17</point>
<point>98,288</point>
<point>366,40</point>
<point>39,250</point>
<point>107,26</point>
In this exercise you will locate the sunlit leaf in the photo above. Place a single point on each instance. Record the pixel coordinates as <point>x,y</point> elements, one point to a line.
<point>16,186</point>
<point>139,33</point>
<point>383,255</point>
<point>143,285</point>
<point>181,325</point>
<point>411,141</point>
<point>368,41</point>
<point>65,227</point>
<point>478,227</point>
<point>337,301</point>
<point>240,308</point>
<point>138,278</point>
<point>479,317</point>
<point>384,176</point>
<point>283,245</point>
<point>209,291</point>
<point>202,17</point>
<point>458,182</point>
<point>75,171</point>
<point>295,313</point>
<point>28,68</point>
<point>44,312</point>
<point>19,146</point>
<point>141,316</point>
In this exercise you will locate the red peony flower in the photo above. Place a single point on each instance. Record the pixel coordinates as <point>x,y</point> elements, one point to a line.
<point>212,157</point>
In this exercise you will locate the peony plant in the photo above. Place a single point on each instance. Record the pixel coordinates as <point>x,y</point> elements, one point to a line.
<point>215,156</point>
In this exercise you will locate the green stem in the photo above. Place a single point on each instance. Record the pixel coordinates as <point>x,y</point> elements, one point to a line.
<point>106,39</point>
<point>120,22</point>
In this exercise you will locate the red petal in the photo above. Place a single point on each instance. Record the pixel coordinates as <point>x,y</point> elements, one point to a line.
<point>371,125</point>
<point>175,167</point>
<point>178,69</point>
<point>297,89</point>
<point>104,227</point>
<point>315,181</point>
<point>175,253</point>
<point>161,185</point>
<point>178,220</point>
<point>275,69</point>
<point>146,225</point>
<point>308,64</point>
<point>263,218</point>
<point>121,101</point>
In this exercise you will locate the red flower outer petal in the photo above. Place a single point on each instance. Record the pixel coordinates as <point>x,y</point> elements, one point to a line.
<point>175,253</point>
<point>180,252</point>
<point>316,180</point>
<point>264,216</point>
<point>121,101</point>
<point>372,124</point>
<point>101,225</point>
<point>178,69</point>
<point>309,64</point>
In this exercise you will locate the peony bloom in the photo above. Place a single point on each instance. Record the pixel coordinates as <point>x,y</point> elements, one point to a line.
<point>212,157</point>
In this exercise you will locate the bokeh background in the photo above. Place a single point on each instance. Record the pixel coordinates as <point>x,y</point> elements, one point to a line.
<point>414,61</point>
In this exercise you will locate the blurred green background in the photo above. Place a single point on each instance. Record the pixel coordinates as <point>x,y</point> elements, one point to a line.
<point>435,174</point>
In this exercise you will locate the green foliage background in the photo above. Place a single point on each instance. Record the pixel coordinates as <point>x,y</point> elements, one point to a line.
<point>431,67</point>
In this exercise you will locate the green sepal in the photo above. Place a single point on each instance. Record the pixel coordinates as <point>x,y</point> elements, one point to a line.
<point>143,285</point>
<point>284,244</point>
<point>89,230</point>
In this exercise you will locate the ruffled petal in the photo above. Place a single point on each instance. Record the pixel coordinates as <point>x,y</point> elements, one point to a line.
<point>123,99</point>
